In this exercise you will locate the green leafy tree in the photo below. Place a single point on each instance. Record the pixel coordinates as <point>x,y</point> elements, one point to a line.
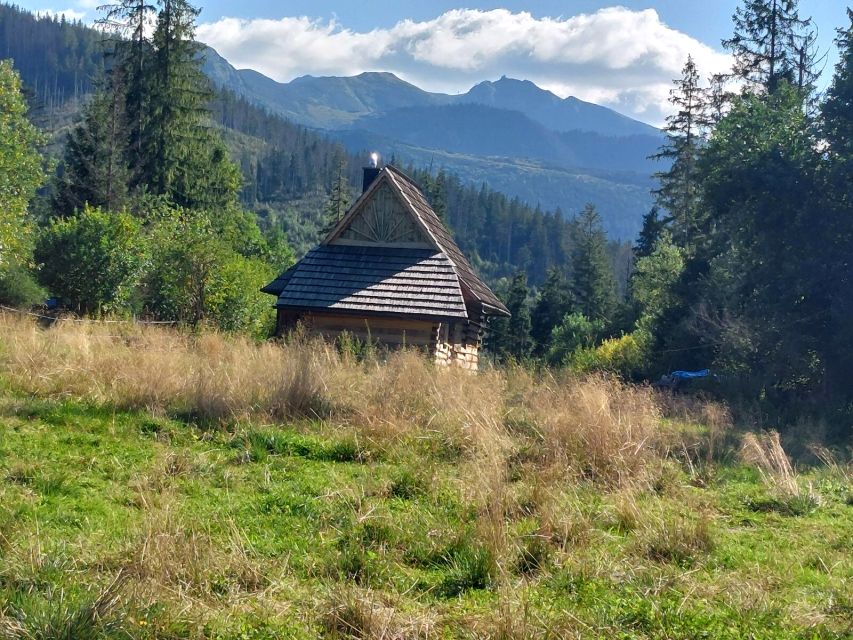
<point>553,302</point>
<point>20,170</point>
<point>593,284</point>
<point>197,277</point>
<point>92,261</point>
<point>655,276</point>
<point>764,290</point>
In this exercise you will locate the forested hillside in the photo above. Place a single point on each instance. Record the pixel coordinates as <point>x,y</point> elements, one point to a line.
<point>59,60</point>
<point>513,136</point>
<point>288,171</point>
<point>743,268</point>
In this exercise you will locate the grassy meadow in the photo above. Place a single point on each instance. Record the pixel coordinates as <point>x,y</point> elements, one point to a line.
<point>157,484</point>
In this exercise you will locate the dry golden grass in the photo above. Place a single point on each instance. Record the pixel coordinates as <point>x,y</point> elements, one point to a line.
<point>596,428</point>
<point>766,453</point>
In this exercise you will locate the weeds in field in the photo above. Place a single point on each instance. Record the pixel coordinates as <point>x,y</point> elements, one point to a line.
<point>242,489</point>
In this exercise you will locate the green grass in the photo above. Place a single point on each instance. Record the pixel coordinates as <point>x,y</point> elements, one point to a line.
<point>300,531</point>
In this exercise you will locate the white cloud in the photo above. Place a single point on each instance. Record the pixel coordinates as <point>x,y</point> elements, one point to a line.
<point>618,57</point>
<point>70,14</point>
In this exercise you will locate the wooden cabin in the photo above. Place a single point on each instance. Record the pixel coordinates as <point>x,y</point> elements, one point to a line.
<point>390,272</point>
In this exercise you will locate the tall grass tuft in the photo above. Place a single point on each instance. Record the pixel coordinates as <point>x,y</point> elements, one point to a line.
<point>765,452</point>
<point>59,619</point>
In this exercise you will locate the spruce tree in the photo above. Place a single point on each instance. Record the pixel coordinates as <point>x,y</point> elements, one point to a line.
<point>339,196</point>
<point>129,21</point>
<point>593,284</point>
<point>771,43</point>
<point>438,195</point>
<point>836,124</point>
<point>680,189</point>
<point>94,166</point>
<point>553,303</point>
<point>650,233</point>
<point>183,157</point>
<point>518,343</point>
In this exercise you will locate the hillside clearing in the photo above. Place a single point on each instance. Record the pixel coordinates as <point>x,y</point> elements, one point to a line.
<point>164,485</point>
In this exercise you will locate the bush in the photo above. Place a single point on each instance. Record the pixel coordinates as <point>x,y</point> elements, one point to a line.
<point>92,261</point>
<point>196,277</point>
<point>18,287</point>
<point>626,355</point>
<point>575,332</point>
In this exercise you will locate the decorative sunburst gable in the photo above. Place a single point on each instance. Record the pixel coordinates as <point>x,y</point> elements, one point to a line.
<point>381,219</point>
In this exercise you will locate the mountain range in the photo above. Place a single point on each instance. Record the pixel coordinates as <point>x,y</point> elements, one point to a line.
<point>510,134</point>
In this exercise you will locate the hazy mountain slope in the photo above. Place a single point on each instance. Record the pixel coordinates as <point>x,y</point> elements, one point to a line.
<point>509,134</point>
<point>553,112</point>
<point>621,197</point>
<point>486,131</point>
<point>324,102</point>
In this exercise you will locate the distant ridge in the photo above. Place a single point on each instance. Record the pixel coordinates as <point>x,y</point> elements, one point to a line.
<point>332,102</point>
<point>511,134</point>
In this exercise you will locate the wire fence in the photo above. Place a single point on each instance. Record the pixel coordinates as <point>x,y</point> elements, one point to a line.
<point>42,316</point>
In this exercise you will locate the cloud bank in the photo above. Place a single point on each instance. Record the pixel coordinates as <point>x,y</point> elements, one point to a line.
<point>617,57</point>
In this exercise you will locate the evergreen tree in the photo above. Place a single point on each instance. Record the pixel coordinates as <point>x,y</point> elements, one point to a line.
<point>437,192</point>
<point>653,227</point>
<point>764,290</point>
<point>130,21</point>
<point>338,202</point>
<point>553,303</point>
<point>592,282</point>
<point>183,158</point>
<point>679,190</point>
<point>510,337</point>
<point>518,341</point>
<point>836,126</point>
<point>769,45</point>
<point>94,167</point>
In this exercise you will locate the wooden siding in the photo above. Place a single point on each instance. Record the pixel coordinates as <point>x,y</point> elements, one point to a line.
<point>392,332</point>
<point>384,220</point>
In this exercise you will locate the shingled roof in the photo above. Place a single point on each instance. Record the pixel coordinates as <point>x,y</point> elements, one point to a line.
<point>428,278</point>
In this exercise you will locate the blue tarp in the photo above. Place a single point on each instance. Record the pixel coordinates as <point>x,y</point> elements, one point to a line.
<point>689,375</point>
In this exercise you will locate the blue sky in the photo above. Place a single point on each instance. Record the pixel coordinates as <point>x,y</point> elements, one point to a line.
<point>620,54</point>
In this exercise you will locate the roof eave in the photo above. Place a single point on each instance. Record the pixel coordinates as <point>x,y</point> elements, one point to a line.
<point>462,315</point>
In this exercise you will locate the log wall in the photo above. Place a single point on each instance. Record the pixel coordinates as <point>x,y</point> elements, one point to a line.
<point>454,343</point>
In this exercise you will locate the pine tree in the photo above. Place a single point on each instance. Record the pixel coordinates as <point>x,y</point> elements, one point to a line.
<point>680,188</point>
<point>518,343</point>
<point>129,21</point>
<point>553,303</point>
<point>183,158</point>
<point>94,167</point>
<point>650,233</point>
<point>771,43</point>
<point>592,282</point>
<point>338,202</point>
